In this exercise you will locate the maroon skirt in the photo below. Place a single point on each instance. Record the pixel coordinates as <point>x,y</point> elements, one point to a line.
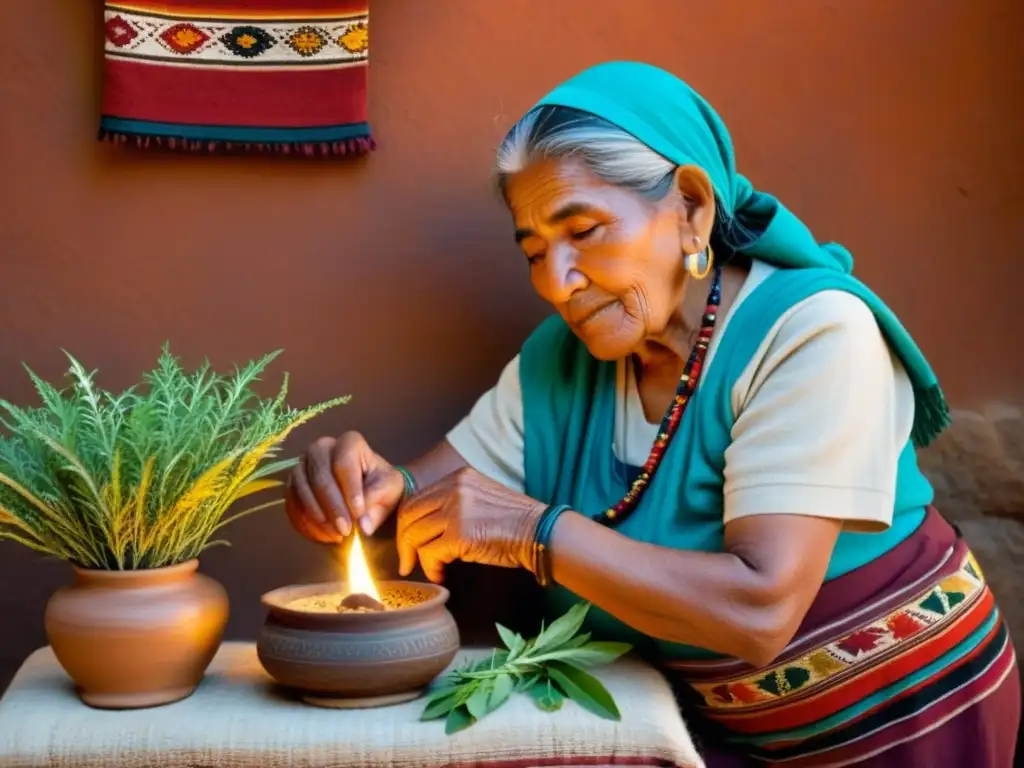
<point>902,662</point>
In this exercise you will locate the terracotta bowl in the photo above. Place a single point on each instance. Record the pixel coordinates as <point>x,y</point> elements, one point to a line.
<point>358,659</point>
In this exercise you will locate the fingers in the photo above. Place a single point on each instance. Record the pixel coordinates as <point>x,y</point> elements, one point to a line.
<point>320,475</point>
<point>414,535</point>
<point>338,483</point>
<point>347,469</point>
<point>426,504</point>
<point>436,554</point>
<point>299,514</point>
<point>383,490</point>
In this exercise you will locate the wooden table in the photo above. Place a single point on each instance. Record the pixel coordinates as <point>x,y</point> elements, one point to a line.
<point>237,719</point>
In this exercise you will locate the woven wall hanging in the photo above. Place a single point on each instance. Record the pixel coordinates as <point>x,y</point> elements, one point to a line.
<point>285,76</point>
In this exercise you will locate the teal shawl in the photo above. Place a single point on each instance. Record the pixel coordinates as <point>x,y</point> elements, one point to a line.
<point>671,118</point>
<point>569,417</point>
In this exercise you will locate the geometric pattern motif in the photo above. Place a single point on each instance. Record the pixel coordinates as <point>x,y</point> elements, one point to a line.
<point>119,32</point>
<point>859,648</point>
<point>183,38</point>
<point>355,38</point>
<point>248,41</point>
<point>240,42</point>
<point>307,41</point>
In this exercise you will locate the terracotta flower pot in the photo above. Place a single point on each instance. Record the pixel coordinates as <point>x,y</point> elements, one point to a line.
<point>134,639</point>
<point>365,659</point>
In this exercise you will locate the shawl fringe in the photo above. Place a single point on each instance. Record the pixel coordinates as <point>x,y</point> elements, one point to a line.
<point>931,415</point>
<point>355,146</point>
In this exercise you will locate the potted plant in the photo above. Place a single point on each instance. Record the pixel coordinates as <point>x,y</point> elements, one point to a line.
<point>129,489</point>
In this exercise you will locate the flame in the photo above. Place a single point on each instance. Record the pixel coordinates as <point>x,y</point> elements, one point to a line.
<point>360,580</point>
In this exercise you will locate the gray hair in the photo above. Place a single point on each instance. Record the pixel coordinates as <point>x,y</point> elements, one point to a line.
<point>611,154</point>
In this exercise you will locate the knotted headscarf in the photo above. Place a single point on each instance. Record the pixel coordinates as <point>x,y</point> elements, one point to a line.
<point>672,119</point>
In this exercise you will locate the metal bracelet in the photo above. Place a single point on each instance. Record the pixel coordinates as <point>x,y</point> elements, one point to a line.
<point>409,481</point>
<point>541,539</point>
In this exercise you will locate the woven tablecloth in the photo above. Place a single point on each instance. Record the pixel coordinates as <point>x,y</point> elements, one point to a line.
<point>237,719</point>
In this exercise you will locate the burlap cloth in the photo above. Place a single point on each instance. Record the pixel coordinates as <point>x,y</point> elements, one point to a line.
<point>236,719</point>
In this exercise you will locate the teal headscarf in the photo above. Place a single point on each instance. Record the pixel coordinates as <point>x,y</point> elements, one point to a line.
<point>671,118</point>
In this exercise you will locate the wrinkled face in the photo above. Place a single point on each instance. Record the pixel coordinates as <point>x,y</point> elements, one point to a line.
<point>609,260</point>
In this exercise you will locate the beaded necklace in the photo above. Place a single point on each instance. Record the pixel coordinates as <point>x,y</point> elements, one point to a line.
<point>670,423</point>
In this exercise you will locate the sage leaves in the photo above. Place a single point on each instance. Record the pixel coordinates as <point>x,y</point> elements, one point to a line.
<point>549,669</point>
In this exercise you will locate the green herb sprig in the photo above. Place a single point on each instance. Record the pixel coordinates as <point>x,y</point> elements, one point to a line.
<point>143,478</point>
<point>549,668</point>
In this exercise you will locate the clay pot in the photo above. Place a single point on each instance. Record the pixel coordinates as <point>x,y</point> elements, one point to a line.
<point>375,657</point>
<point>133,639</point>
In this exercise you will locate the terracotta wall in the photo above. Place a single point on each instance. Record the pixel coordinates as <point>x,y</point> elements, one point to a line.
<point>892,127</point>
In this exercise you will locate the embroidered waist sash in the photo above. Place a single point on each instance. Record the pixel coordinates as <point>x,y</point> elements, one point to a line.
<point>892,649</point>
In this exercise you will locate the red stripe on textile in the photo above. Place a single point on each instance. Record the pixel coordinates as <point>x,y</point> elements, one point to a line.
<point>914,689</point>
<point>835,698</point>
<point>839,601</point>
<point>286,98</point>
<point>974,693</point>
<point>246,9</point>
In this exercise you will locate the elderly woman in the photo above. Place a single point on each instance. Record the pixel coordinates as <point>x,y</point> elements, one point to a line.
<point>712,441</point>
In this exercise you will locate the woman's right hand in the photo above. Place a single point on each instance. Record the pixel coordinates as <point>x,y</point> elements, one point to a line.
<point>340,482</point>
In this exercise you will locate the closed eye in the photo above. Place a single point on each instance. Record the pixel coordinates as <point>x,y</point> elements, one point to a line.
<point>585,233</point>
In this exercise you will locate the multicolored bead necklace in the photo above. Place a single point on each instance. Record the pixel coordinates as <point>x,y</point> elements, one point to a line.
<point>670,424</point>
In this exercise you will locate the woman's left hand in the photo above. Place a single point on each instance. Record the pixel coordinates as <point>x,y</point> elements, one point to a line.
<point>469,517</point>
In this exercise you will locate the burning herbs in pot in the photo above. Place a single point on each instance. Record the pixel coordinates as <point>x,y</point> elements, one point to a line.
<point>548,668</point>
<point>363,595</point>
<point>360,592</point>
<point>358,602</point>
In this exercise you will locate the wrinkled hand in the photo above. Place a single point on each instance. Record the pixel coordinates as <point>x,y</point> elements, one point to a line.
<point>339,482</point>
<point>469,517</point>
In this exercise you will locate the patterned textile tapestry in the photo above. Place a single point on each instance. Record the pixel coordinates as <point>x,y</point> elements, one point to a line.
<point>283,76</point>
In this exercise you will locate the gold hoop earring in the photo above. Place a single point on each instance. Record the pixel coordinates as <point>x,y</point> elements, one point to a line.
<point>700,264</point>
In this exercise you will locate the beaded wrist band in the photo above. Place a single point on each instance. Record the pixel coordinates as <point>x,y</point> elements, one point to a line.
<point>541,538</point>
<point>410,482</point>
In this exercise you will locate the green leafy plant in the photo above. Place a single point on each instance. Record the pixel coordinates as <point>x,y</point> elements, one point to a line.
<point>549,668</point>
<point>144,478</point>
